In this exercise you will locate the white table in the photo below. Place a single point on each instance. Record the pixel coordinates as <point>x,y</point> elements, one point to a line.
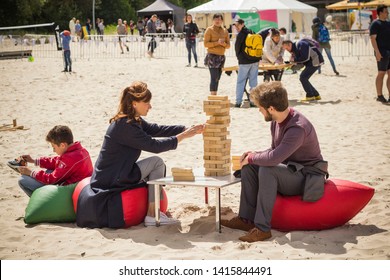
<point>217,182</point>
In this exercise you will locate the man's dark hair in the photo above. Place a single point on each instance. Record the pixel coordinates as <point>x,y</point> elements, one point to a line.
<point>60,134</point>
<point>380,9</point>
<point>283,29</point>
<point>240,21</point>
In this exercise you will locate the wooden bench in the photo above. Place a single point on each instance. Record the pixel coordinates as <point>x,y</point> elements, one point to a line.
<point>15,54</point>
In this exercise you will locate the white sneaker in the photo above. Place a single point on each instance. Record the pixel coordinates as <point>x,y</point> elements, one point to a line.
<point>164,220</point>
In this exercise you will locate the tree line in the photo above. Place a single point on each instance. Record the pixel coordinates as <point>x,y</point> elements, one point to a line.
<point>28,12</point>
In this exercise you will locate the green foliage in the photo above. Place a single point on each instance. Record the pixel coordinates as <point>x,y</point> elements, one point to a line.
<point>27,12</point>
<point>110,11</point>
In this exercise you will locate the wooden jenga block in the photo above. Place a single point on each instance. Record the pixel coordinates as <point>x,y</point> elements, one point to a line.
<point>216,166</point>
<point>182,174</point>
<point>181,170</point>
<point>215,138</point>
<point>225,122</point>
<point>216,112</point>
<point>223,157</point>
<point>184,178</point>
<point>217,97</point>
<point>219,118</point>
<point>220,103</point>
<point>215,153</point>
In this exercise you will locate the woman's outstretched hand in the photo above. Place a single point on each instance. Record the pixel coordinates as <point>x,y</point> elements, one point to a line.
<point>192,131</point>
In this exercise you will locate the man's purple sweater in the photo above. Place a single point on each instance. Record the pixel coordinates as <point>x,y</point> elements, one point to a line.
<point>294,139</point>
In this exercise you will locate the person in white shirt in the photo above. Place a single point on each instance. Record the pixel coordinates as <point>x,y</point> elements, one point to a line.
<point>273,54</point>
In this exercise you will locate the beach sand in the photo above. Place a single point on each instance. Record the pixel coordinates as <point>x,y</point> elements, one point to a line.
<point>352,127</point>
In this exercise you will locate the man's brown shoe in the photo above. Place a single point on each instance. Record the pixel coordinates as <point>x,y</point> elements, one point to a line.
<point>237,223</point>
<point>255,235</point>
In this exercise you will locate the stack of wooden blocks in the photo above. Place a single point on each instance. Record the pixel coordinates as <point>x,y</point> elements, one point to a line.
<point>217,160</point>
<point>236,163</point>
<point>182,174</point>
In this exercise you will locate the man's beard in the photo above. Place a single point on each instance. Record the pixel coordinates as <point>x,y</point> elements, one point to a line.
<point>268,117</point>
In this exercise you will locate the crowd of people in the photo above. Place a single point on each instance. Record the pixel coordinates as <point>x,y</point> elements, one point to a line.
<point>293,165</point>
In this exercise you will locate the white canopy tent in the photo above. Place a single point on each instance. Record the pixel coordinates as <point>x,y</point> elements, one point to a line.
<point>287,10</point>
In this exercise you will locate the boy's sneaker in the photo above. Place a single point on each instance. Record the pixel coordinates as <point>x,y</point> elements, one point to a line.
<point>381,98</point>
<point>164,220</point>
<point>237,105</point>
<point>196,65</point>
<point>318,97</point>
<point>188,65</point>
<point>16,163</point>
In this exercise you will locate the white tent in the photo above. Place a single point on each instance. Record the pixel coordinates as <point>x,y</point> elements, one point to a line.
<point>287,10</point>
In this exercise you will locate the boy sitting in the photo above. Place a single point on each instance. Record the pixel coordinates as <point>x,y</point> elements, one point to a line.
<point>72,164</point>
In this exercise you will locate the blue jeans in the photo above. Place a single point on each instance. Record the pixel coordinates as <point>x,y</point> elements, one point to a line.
<point>329,55</point>
<point>191,46</point>
<point>29,184</point>
<point>245,72</point>
<point>304,78</point>
<point>68,61</point>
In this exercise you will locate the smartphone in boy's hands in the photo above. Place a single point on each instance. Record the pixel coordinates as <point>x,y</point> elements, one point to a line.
<point>16,163</point>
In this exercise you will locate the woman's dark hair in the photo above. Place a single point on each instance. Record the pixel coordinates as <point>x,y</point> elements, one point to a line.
<point>270,94</point>
<point>218,15</point>
<point>274,32</point>
<point>137,91</point>
<point>60,134</point>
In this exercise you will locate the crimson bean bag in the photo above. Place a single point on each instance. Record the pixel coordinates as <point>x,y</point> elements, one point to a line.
<point>134,203</point>
<point>342,200</point>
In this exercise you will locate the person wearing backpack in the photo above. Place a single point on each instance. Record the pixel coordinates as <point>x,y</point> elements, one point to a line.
<point>307,53</point>
<point>248,62</point>
<point>321,34</point>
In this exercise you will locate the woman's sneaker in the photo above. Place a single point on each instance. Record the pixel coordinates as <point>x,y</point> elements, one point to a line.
<point>164,220</point>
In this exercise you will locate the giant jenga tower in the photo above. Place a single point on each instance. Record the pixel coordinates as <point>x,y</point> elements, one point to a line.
<point>215,136</point>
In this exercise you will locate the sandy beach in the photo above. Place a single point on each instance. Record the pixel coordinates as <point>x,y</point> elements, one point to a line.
<point>352,127</point>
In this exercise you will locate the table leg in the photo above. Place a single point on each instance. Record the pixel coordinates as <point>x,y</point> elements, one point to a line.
<point>157,204</point>
<point>206,195</point>
<point>218,210</point>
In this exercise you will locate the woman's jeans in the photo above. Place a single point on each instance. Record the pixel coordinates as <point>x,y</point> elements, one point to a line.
<point>152,168</point>
<point>329,55</point>
<point>191,46</point>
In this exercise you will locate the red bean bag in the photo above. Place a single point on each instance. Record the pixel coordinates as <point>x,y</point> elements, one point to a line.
<point>134,203</point>
<point>342,200</point>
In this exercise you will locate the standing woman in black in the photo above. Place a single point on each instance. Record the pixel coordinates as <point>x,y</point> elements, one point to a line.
<point>190,31</point>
